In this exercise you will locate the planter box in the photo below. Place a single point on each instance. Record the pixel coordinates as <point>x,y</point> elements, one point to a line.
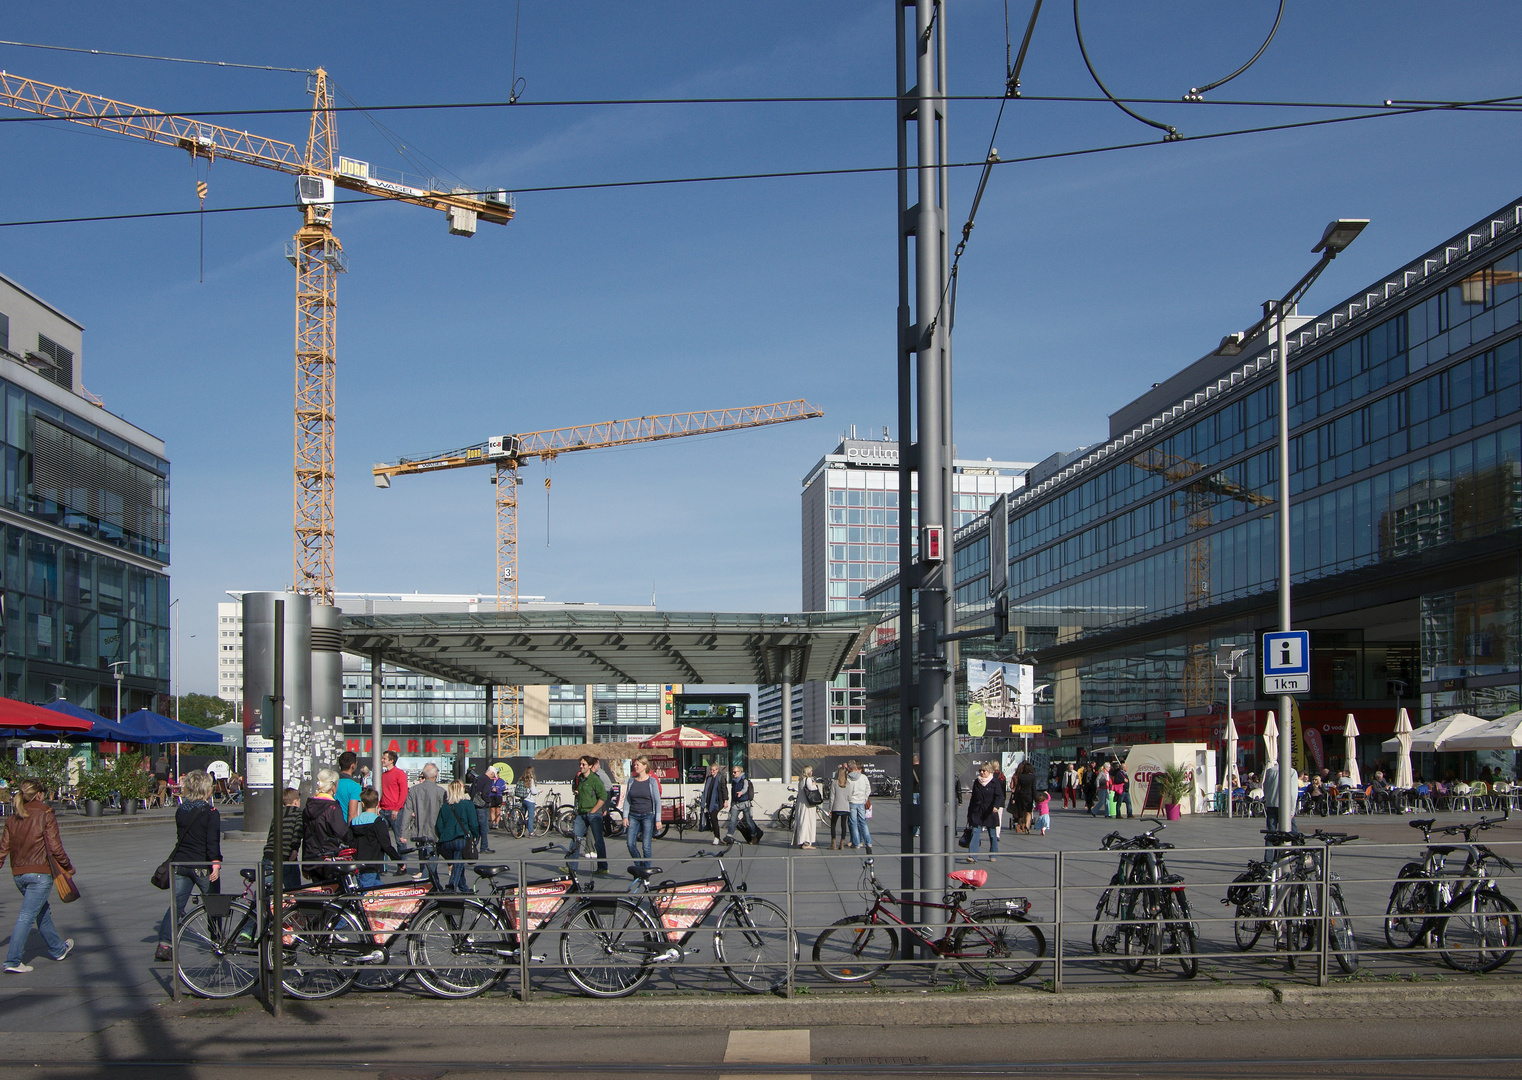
<point>129,806</point>
<point>94,808</point>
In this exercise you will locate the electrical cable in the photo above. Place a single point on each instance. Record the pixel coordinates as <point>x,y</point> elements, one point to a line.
<point>514,91</point>
<point>1170,133</point>
<point>1055,155</point>
<point>1196,92</point>
<point>167,59</point>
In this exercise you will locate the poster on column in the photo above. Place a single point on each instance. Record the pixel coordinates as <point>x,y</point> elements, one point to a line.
<point>1000,695</point>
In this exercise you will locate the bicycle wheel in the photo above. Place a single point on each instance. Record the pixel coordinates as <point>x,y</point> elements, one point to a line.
<point>608,947</point>
<point>218,958</point>
<point>613,823</point>
<point>999,948</point>
<point>1178,935</point>
<point>1108,935</point>
<point>456,948</point>
<point>319,945</point>
<point>784,817</point>
<point>565,822</point>
<point>1343,944</point>
<point>1411,900</point>
<point>752,941</point>
<point>1480,931</point>
<point>542,821</point>
<point>854,950</point>
<point>1250,922</point>
<point>517,824</point>
<point>661,829</point>
<point>1140,931</point>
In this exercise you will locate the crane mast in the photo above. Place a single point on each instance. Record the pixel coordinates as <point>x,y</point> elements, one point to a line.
<point>507,452</point>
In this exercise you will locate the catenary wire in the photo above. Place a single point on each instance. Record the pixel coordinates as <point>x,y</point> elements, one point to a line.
<point>1196,91</point>
<point>1170,133</point>
<point>145,56</point>
<point>1055,155</point>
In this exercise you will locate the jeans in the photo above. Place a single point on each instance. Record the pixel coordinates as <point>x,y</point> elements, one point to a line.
<point>483,817</point>
<point>453,850</point>
<point>370,881</point>
<point>290,874</point>
<point>740,812</point>
<point>640,836</point>
<point>714,819</point>
<point>977,839</point>
<point>389,817</point>
<point>35,911</point>
<point>590,823</point>
<point>861,836</point>
<point>528,815</point>
<point>183,884</point>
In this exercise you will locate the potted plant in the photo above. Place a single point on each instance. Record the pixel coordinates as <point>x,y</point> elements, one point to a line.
<point>1175,782</point>
<point>95,788</point>
<point>130,781</point>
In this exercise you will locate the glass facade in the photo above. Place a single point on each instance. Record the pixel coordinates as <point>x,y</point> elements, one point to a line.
<point>1126,571</point>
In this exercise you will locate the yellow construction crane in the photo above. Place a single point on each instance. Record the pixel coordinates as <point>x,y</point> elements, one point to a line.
<point>314,251</point>
<point>1194,499</point>
<point>506,452</point>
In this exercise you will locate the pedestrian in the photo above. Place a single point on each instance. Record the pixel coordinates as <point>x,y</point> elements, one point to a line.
<point>1120,785</point>
<point>741,794</point>
<point>1043,811</point>
<point>372,839</point>
<point>640,802</point>
<point>714,797</point>
<point>1069,786</point>
<point>324,830</point>
<point>859,790</point>
<point>393,796</point>
<point>805,815</point>
<point>349,787</point>
<point>1023,799</point>
<point>457,822</point>
<point>840,809</point>
<point>290,841</point>
<point>528,794</point>
<point>480,798</point>
<point>419,814</point>
<point>31,841</point>
<point>985,805</point>
<point>591,796</point>
<point>498,794</point>
<point>196,860</point>
<point>1088,785</point>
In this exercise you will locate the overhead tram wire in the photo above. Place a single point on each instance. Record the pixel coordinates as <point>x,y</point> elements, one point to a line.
<point>1055,155</point>
<point>1510,103</point>
<point>166,59</point>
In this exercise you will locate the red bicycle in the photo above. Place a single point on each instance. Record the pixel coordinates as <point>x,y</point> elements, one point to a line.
<point>992,940</point>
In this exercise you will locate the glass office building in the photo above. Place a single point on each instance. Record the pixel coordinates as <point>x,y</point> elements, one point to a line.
<point>1133,563</point>
<point>850,538</point>
<point>84,520</point>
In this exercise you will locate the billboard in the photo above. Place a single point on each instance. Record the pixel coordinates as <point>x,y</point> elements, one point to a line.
<point>999,696</point>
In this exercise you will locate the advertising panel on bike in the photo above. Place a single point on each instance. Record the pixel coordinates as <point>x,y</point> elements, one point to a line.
<point>387,909</point>
<point>684,906</point>
<point>543,901</point>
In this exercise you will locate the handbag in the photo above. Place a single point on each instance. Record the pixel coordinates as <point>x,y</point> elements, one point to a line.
<point>160,878</point>
<point>812,796</point>
<point>472,848</point>
<point>63,881</point>
<point>965,840</point>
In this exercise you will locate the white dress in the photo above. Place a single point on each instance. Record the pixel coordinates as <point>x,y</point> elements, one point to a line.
<point>805,817</point>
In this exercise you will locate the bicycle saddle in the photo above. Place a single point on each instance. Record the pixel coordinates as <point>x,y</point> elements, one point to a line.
<point>973,879</point>
<point>491,871</point>
<point>645,873</point>
<point>1443,849</point>
<point>1422,823</point>
<point>248,875</point>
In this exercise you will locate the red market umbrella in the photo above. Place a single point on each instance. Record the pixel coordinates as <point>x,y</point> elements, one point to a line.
<point>686,738</point>
<point>18,714</point>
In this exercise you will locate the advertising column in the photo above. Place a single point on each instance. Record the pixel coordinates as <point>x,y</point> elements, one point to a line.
<point>259,683</point>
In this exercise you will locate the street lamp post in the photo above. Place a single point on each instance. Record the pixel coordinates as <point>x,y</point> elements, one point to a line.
<point>1335,238</point>
<point>174,685</point>
<point>1228,661</point>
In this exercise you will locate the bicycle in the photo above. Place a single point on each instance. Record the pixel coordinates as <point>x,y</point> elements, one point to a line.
<point>1283,893</point>
<point>1474,925</point>
<point>993,940</point>
<point>612,946</point>
<point>1144,913</point>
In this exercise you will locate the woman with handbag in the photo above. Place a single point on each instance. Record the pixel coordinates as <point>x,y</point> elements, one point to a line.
<point>32,844</point>
<point>805,816</point>
<point>457,825</point>
<point>197,856</point>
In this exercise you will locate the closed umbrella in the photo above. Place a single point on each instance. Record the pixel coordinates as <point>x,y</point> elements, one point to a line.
<point>1270,741</point>
<point>1403,763</point>
<point>1350,750</point>
<point>1231,762</point>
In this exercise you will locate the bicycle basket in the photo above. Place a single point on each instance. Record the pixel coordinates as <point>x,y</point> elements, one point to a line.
<point>1241,894</point>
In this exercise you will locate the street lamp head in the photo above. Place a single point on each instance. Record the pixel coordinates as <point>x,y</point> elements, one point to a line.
<point>1339,234</point>
<point>1231,344</point>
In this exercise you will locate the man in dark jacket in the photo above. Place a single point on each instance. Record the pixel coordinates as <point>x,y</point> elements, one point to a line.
<point>714,798</point>
<point>480,795</point>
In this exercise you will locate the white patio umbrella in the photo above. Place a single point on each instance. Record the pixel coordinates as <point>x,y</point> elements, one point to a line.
<point>1231,749</point>
<point>1502,734</point>
<point>1435,736</point>
<point>1270,740</point>
<point>1403,763</point>
<point>1350,750</point>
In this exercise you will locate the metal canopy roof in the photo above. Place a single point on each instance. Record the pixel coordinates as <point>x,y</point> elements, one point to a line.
<point>526,648</point>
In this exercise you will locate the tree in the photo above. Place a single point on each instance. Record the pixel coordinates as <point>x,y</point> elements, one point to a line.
<point>204,711</point>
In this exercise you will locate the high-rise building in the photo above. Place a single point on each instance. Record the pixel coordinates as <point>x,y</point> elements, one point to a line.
<point>850,539</point>
<point>230,652</point>
<point>85,525</point>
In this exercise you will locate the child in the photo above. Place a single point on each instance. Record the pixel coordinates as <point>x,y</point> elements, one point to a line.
<point>372,838</point>
<point>1043,811</point>
<point>291,830</point>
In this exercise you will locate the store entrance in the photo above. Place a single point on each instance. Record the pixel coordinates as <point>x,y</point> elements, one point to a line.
<point>723,714</point>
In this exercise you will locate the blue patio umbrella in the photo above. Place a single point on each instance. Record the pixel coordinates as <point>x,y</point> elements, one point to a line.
<point>149,727</point>
<point>100,727</point>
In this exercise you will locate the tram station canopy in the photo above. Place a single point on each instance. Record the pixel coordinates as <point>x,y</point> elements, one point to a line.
<point>529,648</point>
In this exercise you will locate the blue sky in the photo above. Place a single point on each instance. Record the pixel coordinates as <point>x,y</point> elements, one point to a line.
<point>1087,279</point>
